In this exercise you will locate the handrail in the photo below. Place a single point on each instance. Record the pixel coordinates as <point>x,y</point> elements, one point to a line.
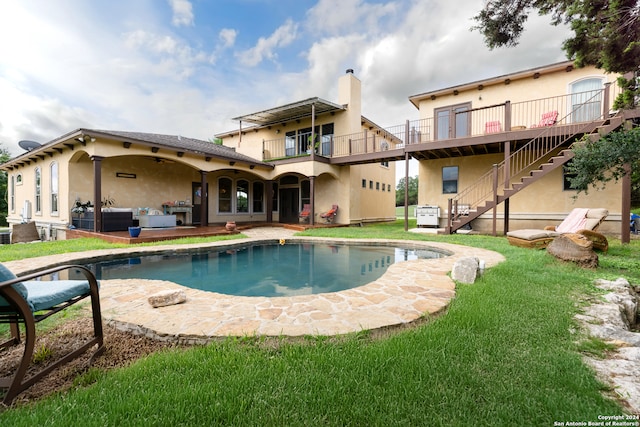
<point>523,160</point>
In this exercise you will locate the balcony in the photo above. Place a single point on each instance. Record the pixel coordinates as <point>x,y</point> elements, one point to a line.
<point>477,131</point>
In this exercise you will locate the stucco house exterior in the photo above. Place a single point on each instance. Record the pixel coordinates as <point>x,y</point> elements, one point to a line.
<point>261,173</point>
<point>492,153</point>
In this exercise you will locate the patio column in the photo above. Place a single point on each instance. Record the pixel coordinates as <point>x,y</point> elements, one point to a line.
<point>97,192</point>
<point>204,199</point>
<point>312,196</point>
<point>313,144</point>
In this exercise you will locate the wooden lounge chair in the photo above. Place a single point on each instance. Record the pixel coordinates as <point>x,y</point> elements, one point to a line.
<point>579,221</point>
<point>28,301</point>
<point>330,214</point>
<point>306,212</point>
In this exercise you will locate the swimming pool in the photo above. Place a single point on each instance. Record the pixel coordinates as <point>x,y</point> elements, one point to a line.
<point>267,270</point>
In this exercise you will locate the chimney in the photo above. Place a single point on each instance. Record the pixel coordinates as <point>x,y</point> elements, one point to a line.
<point>349,94</point>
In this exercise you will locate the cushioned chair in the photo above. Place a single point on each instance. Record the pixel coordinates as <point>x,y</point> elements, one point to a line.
<point>493,127</point>
<point>579,221</point>
<point>547,119</point>
<point>330,214</point>
<point>306,212</point>
<point>28,301</point>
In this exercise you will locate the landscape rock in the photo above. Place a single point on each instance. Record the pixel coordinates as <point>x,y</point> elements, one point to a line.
<point>465,270</point>
<point>614,320</point>
<point>169,297</point>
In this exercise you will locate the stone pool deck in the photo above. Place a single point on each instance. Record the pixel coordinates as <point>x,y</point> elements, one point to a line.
<point>406,292</point>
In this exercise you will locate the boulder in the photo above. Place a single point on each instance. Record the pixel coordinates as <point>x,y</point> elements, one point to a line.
<point>465,270</point>
<point>164,298</point>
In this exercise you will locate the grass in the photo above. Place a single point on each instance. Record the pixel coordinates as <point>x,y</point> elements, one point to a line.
<point>507,352</point>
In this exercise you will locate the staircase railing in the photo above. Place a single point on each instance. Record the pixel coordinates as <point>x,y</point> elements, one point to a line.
<point>485,193</point>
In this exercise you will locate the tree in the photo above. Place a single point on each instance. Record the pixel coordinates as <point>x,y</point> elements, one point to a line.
<point>413,191</point>
<point>606,32</point>
<point>4,207</point>
<point>599,163</point>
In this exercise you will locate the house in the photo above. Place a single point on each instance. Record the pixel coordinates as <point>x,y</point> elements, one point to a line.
<point>288,157</point>
<point>493,153</point>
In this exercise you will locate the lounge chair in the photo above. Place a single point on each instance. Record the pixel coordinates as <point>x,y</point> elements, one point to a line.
<point>27,300</point>
<point>330,214</point>
<point>306,212</point>
<point>579,221</point>
<point>547,119</point>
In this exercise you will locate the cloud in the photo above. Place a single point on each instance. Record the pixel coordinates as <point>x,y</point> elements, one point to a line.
<point>265,48</point>
<point>182,13</point>
<point>228,37</point>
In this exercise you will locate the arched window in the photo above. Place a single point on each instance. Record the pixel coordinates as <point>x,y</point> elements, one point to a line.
<point>242,195</point>
<point>586,100</point>
<point>54,188</point>
<point>38,190</point>
<point>224,195</point>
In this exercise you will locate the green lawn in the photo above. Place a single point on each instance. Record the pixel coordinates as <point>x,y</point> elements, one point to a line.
<point>507,352</point>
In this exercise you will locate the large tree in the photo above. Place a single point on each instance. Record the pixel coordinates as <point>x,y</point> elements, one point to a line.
<point>4,157</point>
<point>413,191</point>
<point>606,32</point>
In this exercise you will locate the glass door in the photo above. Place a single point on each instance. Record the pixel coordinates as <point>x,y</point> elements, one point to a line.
<point>452,121</point>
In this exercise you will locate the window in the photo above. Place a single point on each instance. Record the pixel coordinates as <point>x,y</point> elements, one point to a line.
<point>38,190</point>
<point>449,179</point>
<point>305,190</point>
<point>384,164</point>
<point>290,143</point>
<point>12,206</point>
<point>453,121</point>
<point>378,186</point>
<point>364,183</point>
<point>383,186</point>
<point>274,197</point>
<point>586,100</point>
<point>224,195</point>
<point>242,195</point>
<point>566,177</point>
<point>327,136</point>
<point>370,185</point>
<point>54,187</point>
<point>19,179</point>
<point>258,196</point>
<point>388,188</point>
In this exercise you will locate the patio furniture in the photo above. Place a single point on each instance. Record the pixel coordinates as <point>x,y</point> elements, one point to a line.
<point>547,119</point>
<point>580,221</point>
<point>493,127</point>
<point>29,300</point>
<point>306,212</point>
<point>330,214</point>
<point>157,221</point>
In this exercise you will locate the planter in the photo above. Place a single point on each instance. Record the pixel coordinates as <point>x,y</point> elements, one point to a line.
<point>134,231</point>
<point>230,226</point>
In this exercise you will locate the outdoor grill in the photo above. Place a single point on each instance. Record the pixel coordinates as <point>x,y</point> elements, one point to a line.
<point>427,215</point>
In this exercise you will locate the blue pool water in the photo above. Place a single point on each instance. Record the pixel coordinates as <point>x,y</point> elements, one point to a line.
<point>266,270</point>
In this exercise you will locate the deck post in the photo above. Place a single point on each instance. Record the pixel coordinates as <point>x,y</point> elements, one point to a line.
<point>97,193</point>
<point>312,202</point>
<point>605,101</point>
<point>507,116</point>
<point>204,199</point>
<point>495,199</point>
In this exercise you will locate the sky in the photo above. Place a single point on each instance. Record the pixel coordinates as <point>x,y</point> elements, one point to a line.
<point>187,67</point>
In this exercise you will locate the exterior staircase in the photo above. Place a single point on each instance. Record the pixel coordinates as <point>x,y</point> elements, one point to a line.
<point>545,153</point>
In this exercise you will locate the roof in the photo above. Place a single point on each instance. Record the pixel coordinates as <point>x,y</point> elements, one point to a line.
<point>565,65</point>
<point>176,143</point>
<point>293,111</point>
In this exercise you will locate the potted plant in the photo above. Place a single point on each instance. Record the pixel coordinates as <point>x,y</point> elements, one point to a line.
<point>313,143</point>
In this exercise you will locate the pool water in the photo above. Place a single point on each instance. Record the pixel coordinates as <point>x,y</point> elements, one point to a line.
<point>269,270</point>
